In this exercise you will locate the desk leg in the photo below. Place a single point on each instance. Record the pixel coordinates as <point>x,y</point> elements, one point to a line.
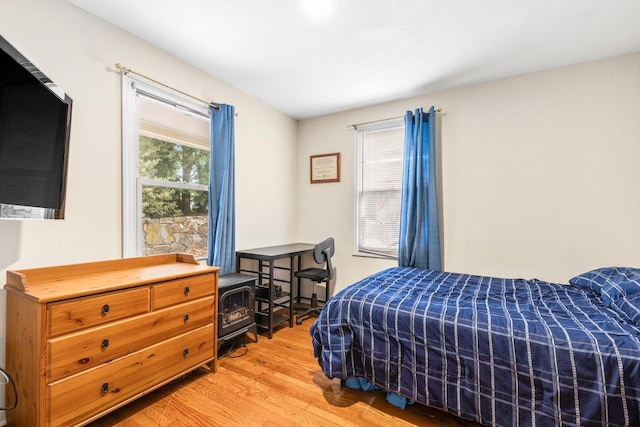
<point>291,290</point>
<point>271,289</point>
<point>298,280</point>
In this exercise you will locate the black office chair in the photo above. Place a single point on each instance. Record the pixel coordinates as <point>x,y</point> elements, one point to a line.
<point>322,254</point>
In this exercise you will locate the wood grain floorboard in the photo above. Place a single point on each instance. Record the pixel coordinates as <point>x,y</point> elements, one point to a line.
<point>275,383</point>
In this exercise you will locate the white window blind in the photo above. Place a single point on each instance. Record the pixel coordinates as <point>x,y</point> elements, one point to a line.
<point>379,153</point>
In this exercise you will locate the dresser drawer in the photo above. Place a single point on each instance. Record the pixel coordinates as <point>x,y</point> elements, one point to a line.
<point>72,353</point>
<point>82,313</point>
<point>76,398</point>
<point>182,290</point>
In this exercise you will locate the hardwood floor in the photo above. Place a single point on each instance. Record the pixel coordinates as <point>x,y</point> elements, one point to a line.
<point>275,382</point>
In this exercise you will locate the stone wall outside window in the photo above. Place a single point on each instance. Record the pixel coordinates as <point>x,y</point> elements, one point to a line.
<point>186,234</point>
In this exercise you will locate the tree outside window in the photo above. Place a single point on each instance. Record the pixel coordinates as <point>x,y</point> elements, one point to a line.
<point>166,161</point>
<point>174,213</point>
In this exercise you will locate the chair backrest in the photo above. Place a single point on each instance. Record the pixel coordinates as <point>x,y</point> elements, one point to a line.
<point>322,254</point>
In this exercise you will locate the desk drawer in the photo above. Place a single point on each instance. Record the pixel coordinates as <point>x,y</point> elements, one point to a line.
<point>72,353</point>
<point>81,313</point>
<point>182,290</point>
<point>72,400</point>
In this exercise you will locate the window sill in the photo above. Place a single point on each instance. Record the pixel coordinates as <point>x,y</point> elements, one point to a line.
<point>366,255</point>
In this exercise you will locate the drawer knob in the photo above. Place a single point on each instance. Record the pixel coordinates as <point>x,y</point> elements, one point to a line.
<point>185,318</point>
<point>186,291</point>
<point>105,343</point>
<point>105,309</point>
<point>105,388</point>
<point>185,353</point>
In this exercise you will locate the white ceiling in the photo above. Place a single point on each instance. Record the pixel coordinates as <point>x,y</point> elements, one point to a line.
<point>364,52</point>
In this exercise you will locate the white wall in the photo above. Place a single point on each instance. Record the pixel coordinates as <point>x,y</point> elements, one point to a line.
<point>540,174</point>
<point>79,52</point>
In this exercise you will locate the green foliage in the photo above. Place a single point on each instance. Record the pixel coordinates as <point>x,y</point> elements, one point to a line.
<point>159,202</point>
<point>165,161</point>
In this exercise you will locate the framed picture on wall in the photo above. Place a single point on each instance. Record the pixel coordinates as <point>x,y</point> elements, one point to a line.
<point>325,168</point>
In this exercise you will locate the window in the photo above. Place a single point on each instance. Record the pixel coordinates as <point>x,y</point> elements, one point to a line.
<point>165,173</point>
<point>379,156</point>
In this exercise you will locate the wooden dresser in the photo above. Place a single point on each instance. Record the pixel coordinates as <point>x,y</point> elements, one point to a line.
<point>85,339</point>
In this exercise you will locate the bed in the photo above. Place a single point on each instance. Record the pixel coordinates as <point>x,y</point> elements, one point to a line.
<point>500,352</point>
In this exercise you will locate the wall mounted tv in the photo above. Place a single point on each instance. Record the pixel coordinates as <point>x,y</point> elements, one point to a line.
<point>35,121</point>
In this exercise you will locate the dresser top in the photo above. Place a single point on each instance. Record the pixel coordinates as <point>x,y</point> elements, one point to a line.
<point>69,281</point>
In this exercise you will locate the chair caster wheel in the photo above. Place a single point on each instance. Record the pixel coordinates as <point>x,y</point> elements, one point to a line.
<point>298,321</point>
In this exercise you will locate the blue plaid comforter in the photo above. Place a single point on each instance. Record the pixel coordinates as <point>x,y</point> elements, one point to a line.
<point>502,352</point>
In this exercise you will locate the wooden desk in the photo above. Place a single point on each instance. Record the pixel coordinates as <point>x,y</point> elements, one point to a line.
<point>266,257</point>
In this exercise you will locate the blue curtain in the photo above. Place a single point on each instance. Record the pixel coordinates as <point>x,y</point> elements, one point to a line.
<point>222,224</point>
<point>419,244</point>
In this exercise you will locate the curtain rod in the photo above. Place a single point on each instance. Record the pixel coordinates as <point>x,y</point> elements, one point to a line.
<point>125,70</point>
<point>355,125</point>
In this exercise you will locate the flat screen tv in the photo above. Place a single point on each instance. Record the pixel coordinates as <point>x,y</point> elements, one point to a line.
<point>35,121</point>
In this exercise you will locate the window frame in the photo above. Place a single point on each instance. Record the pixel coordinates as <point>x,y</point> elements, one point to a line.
<point>134,86</point>
<point>359,143</point>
